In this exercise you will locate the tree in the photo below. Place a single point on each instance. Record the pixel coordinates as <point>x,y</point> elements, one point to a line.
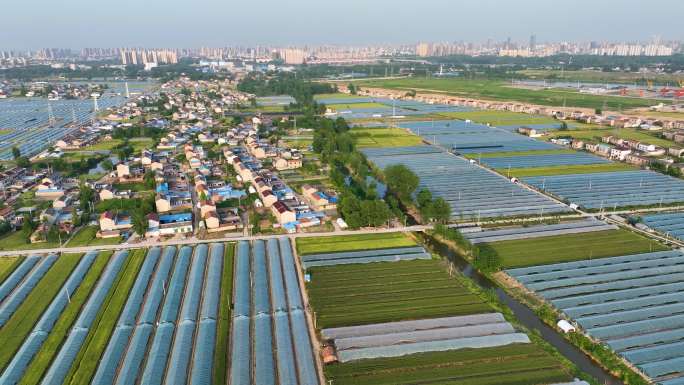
<point>16,153</point>
<point>377,212</point>
<point>401,181</point>
<point>487,259</point>
<point>140,223</point>
<point>149,180</point>
<point>352,88</point>
<point>424,198</point>
<point>440,210</point>
<point>107,164</point>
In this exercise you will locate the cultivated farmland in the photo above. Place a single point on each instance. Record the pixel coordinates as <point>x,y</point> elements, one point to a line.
<point>356,242</point>
<point>384,137</point>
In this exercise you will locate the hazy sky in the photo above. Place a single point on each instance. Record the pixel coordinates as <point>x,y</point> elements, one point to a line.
<point>176,23</point>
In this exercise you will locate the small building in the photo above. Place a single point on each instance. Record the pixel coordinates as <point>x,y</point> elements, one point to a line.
<point>282,213</point>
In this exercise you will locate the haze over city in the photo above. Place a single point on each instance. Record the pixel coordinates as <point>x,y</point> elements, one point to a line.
<point>174,23</point>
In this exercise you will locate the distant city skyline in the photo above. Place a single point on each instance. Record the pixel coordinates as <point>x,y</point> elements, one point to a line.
<point>214,23</point>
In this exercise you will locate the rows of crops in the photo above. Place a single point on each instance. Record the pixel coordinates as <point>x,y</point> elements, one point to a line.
<point>538,231</point>
<point>269,317</point>
<point>633,303</point>
<point>365,256</point>
<point>361,294</point>
<point>612,189</point>
<point>142,315</point>
<point>470,190</point>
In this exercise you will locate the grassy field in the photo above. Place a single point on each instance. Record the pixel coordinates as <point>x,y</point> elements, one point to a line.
<point>16,241</point>
<point>599,76</point>
<point>384,137</point>
<point>623,133</point>
<point>572,247</point>
<point>86,236</point>
<point>133,186</point>
<point>48,351</point>
<point>565,170</point>
<point>501,91</point>
<point>89,356</point>
<point>517,364</point>
<point>7,266</point>
<point>223,329</point>
<point>13,333</point>
<point>361,294</point>
<point>140,144</point>
<point>338,243</point>
<point>104,145</point>
<point>356,106</point>
<point>518,153</point>
<point>336,96</point>
<point>298,143</point>
<point>500,118</point>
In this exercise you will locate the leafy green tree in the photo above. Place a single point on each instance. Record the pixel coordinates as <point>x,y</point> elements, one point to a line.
<point>107,164</point>
<point>440,210</point>
<point>377,212</point>
<point>140,223</point>
<point>423,198</point>
<point>401,181</point>
<point>16,152</point>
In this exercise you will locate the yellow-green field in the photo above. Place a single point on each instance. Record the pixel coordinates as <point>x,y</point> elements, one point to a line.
<point>623,133</point>
<point>384,137</point>
<point>338,243</point>
<point>518,153</point>
<point>500,118</point>
<point>565,169</point>
<point>338,95</point>
<point>356,106</point>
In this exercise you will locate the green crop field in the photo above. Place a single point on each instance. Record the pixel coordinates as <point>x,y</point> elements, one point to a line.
<point>572,247</point>
<point>500,118</point>
<point>355,106</point>
<point>7,266</point>
<point>336,96</point>
<point>336,243</point>
<point>86,237</point>
<point>600,76</point>
<point>40,363</point>
<point>518,153</point>
<point>13,333</point>
<point>622,133</point>
<point>361,294</point>
<point>223,328</point>
<point>384,137</point>
<point>89,356</point>
<point>517,364</point>
<point>565,170</point>
<point>502,91</point>
<point>17,241</point>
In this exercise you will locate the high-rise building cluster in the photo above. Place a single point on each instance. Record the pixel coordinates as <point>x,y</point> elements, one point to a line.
<point>148,56</point>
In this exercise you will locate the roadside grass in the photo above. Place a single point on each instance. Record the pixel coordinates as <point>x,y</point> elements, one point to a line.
<point>17,241</point>
<point>498,90</point>
<point>223,328</point>
<point>623,133</point>
<point>86,236</point>
<point>572,247</point>
<point>337,243</point>
<point>336,96</point>
<point>500,118</point>
<point>516,364</point>
<point>518,153</point>
<point>384,137</point>
<point>133,186</point>
<point>361,294</point>
<point>42,360</point>
<point>356,106</point>
<point>89,356</point>
<point>8,265</point>
<point>13,333</point>
<point>565,170</point>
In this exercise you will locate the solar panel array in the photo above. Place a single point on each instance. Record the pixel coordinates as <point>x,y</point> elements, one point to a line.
<point>396,339</point>
<point>633,303</point>
<point>538,231</point>
<point>365,256</point>
<point>670,224</point>
<point>527,161</point>
<point>472,138</point>
<point>269,317</point>
<point>612,189</point>
<point>470,190</point>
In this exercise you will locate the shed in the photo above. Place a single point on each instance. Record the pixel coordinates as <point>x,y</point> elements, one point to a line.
<point>566,326</point>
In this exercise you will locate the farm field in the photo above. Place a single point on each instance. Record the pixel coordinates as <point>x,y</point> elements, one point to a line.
<point>500,118</point>
<point>384,137</point>
<point>518,153</point>
<point>7,265</point>
<point>338,243</point>
<point>499,90</point>
<point>566,169</point>
<point>360,294</point>
<point>86,237</point>
<point>623,133</point>
<point>356,106</point>
<point>338,95</point>
<point>598,76</point>
<point>571,247</point>
<point>518,364</point>
<point>17,241</point>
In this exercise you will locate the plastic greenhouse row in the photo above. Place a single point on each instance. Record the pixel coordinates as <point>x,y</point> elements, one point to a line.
<point>19,294</point>
<point>17,275</point>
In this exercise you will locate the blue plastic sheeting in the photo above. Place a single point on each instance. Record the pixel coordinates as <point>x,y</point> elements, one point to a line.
<point>676,280</point>
<point>137,294</point>
<point>515,233</point>
<point>471,190</point>
<point>177,372</point>
<point>155,293</point>
<point>72,345</point>
<point>112,355</point>
<point>264,367</point>
<point>638,327</point>
<point>212,287</point>
<point>130,366</point>
<point>383,258</point>
<point>672,381</point>
<point>17,275</point>
<point>654,353</point>
<point>646,340</point>
<point>174,296</point>
<point>661,368</point>
<point>526,161</point>
<point>242,280</point>
<point>287,373</point>
<point>671,224</point>
<point>278,298</point>
<point>155,366</point>
<point>394,151</point>
<point>16,368</point>
<point>294,298</point>
<point>303,350</point>
<point>17,297</point>
<point>241,362</point>
<point>203,358</point>
<point>193,289</point>
<point>433,346</point>
<point>612,189</point>
<point>595,314</point>
<point>262,303</point>
<point>364,253</point>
